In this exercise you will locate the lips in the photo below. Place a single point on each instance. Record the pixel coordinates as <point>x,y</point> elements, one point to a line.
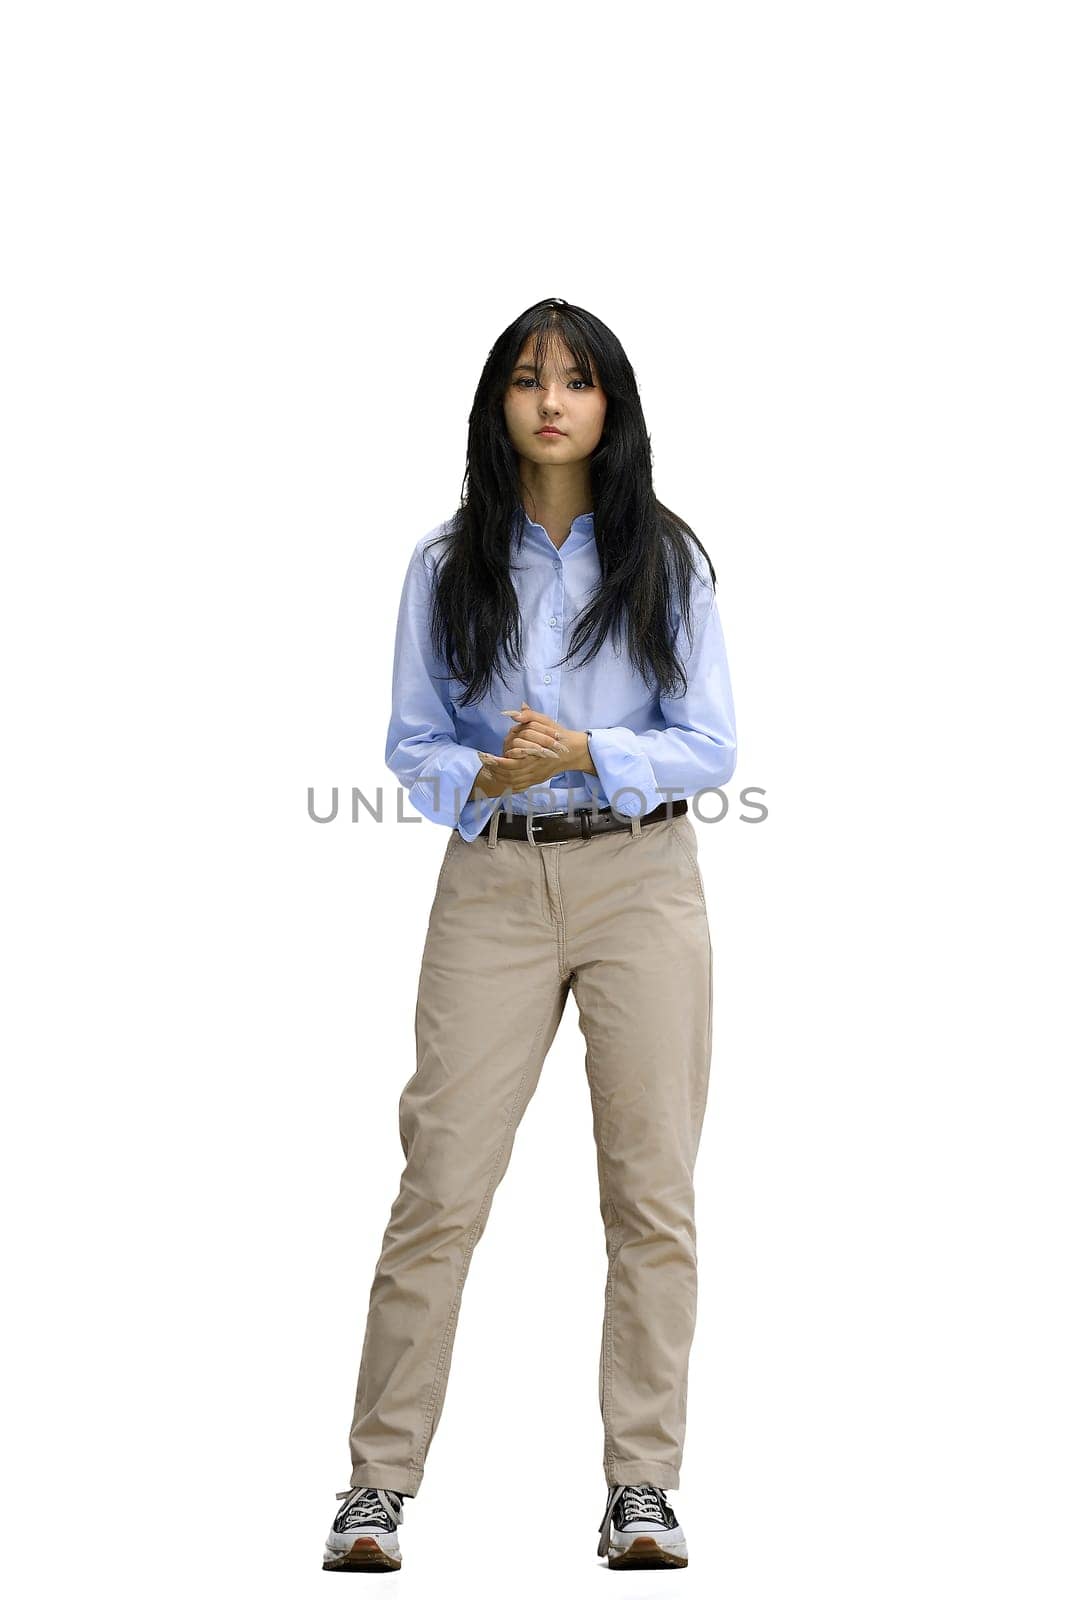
<point>558,431</point>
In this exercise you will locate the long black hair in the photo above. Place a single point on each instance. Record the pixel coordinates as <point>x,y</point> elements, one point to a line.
<point>646,552</point>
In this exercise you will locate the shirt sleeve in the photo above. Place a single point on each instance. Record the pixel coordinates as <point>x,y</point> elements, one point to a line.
<point>421,748</point>
<point>698,748</point>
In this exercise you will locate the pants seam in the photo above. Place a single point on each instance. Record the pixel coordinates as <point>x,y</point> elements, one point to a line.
<point>609,1344</point>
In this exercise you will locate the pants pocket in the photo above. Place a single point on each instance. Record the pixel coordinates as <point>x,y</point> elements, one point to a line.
<point>682,833</point>
<point>453,841</point>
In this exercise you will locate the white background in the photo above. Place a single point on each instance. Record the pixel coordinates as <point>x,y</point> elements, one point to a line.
<point>255,259</point>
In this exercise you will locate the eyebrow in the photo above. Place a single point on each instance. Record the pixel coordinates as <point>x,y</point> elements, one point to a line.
<point>527,366</point>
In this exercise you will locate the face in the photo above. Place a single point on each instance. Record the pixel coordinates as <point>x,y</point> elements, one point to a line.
<point>564,402</point>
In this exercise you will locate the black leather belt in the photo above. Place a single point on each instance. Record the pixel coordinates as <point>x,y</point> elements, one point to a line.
<point>551,827</point>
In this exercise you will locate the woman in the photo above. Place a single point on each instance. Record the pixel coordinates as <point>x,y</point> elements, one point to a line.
<point>560,679</point>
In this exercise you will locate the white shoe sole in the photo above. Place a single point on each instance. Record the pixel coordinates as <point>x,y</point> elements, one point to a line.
<point>648,1550</point>
<point>365,1554</point>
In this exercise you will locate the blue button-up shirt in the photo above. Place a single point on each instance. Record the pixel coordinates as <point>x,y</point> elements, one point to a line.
<point>645,746</point>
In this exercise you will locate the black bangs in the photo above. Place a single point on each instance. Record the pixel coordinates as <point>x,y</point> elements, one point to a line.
<point>557,330</point>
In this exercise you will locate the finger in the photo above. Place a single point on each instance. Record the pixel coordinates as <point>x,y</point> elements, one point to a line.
<point>542,740</point>
<point>531,720</point>
<point>525,710</point>
<point>537,750</point>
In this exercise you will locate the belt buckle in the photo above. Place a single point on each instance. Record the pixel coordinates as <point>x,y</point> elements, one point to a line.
<point>531,825</point>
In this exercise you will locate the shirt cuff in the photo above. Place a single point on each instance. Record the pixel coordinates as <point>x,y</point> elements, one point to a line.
<point>624,771</point>
<point>474,818</point>
<point>440,793</point>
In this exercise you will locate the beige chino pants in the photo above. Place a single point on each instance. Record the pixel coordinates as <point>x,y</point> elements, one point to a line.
<point>620,920</point>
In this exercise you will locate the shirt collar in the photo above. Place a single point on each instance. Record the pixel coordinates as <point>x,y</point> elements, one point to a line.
<point>581,531</point>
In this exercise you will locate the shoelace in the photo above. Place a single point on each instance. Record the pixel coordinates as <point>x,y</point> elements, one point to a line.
<point>380,1508</point>
<point>638,1500</point>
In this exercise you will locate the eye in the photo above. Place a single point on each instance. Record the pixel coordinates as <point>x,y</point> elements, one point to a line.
<point>521,383</point>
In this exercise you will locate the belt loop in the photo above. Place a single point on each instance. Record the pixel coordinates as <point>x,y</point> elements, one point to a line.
<point>494,824</point>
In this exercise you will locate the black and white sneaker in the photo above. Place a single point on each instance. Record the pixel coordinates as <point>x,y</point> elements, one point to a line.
<point>640,1529</point>
<point>364,1537</point>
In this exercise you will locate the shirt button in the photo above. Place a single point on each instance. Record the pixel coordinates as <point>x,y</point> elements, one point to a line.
<point>552,622</point>
<point>548,677</point>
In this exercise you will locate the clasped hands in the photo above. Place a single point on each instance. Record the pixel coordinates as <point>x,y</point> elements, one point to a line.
<point>535,749</point>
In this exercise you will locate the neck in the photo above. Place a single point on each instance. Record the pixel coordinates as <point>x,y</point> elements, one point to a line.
<point>554,496</point>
